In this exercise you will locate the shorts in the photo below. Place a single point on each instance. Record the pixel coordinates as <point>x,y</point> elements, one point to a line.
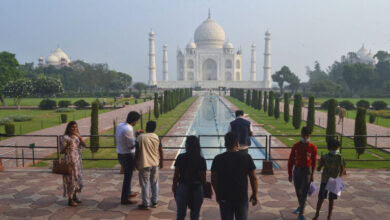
<point>323,194</point>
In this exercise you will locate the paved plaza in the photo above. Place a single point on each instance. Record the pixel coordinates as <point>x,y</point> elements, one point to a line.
<point>37,194</point>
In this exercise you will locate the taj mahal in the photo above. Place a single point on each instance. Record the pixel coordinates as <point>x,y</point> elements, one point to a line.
<point>210,62</point>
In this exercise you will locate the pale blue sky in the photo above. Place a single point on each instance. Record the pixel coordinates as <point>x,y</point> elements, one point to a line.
<point>116,32</point>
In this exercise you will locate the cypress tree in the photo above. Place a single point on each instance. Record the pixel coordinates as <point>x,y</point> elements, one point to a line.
<point>271,104</point>
<point>277,107</point>
<point>254,99</point>
<point>149,114</point>
<point>161,104</point>
<point>286,109</point>
<point>260,102</point>
<point>360,129</point>
<point>155,108</point>
<point>242,95</point>
<point>94,141</point>
<point>331,124</point>
<point>248,97</point>
<point>141,120</point>
<point>310,114</point>
<point>297,111</point>
<point>265,102</point>
<point>165,101</point>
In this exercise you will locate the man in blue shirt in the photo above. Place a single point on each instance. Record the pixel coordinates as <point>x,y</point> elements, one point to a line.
<point>243,129</point>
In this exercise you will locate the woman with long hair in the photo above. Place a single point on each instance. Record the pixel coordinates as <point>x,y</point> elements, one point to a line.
<point>71,144</point>
<point>188,180</point>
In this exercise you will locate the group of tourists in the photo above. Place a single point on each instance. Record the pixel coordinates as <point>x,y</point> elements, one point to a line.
<point>230,171</point>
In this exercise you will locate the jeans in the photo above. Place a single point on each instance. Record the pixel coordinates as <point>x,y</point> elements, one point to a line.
<point>230,210</point>
<point>148,175</point>
<point>190,195</point>
<point>302,183</point>
<point>127,162</point>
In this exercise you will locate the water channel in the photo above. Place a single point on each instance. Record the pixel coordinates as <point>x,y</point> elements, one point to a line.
<point>211,124</point>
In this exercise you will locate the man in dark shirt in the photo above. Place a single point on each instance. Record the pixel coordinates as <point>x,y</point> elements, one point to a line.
<point>229,177</point>
<point>303,158</point>
<point>243,129</point>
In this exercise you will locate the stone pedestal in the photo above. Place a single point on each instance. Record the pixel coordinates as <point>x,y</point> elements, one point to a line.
<point>267,167</point>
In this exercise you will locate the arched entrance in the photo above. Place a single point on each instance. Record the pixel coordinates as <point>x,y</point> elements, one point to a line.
<point>209,70</point>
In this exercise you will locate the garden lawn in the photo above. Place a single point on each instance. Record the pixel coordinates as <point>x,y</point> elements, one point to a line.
<point>279,127</point>
<point>43,118</point>
<point>164,124</point>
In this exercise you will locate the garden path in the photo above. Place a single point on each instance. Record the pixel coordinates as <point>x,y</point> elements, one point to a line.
<point>105,123</point>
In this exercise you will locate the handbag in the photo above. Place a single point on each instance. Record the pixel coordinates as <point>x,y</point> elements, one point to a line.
<point>207,190</point>
<point>63,167</point>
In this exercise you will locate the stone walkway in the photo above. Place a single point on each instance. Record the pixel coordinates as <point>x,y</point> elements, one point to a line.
<point>105,123</point>
<point>37,194</point>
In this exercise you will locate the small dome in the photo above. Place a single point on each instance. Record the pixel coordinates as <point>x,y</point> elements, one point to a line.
<point>228,45</point>
<point>61,54</point>
<point>52,60</point>
<point>40,58</point>
<point>268,33</point>
<point>209,34</point>
<point>191,45</point>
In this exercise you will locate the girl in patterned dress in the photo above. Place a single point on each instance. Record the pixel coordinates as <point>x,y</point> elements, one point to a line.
<point>71,145</point>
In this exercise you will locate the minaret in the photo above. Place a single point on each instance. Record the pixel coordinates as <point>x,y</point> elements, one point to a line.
<point>267,61</point>
<point>253,63</point>
<point>152,60</point>
<point>165,62</point>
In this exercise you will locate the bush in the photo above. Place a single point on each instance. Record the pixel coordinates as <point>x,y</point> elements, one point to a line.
<point>379,105</point>
<point>64,103</point>
<point>9,129</point>
<point>136,101</point>
<point>47,104</point>
<point>363,103</point>
<point>127,103</point>
<point>286,113</point>
<point>297,111</point>
<point>66,110</point>
<point>360,129</point>
<point>310,114</point>
<point>325,105</point>
<point>331,124</point>
<point>64,118</point>
<point>371,118</point>
<point>81,103</point>
<point>348,105</point>
<point>5,120</point>
<point>20,118</point>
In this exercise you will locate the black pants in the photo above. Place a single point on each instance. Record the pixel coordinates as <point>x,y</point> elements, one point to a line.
<point>127,162</point>
<point>302,183</point>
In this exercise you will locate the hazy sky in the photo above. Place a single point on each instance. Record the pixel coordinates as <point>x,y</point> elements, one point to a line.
<point>116,32</point>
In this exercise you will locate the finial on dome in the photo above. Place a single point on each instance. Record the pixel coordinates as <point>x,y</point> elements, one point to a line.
<point>209,14</point>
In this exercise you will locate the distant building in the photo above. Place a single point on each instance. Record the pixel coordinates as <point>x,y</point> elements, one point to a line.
<point>58,59</point>
<point>363,55</point>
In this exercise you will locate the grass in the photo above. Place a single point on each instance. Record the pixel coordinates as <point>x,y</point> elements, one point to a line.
<point>36,101</point>
<point>164,123</point>
<point>43,118</point>
<point>279,127</point>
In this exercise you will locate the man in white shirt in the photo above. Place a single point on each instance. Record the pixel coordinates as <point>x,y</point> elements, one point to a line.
<point>149,158</point>
<point>125,147</point>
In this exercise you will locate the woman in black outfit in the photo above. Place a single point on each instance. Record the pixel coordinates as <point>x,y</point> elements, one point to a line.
<point>190,174</point>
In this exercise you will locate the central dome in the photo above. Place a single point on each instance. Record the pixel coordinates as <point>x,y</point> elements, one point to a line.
<point>209,35</point>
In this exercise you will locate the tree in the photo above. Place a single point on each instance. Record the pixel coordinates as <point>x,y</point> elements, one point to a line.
<point>310,114</point>
<point>317,74</point>
<point>260,101</point>
<point>277,107</point>
<point>286,110</point>
<point>265,103</point>
<point>297,111</point>
<point>248,97</point>
<point>254,98</point>
<point>94,143</point>
<point>47,86</point>
<point>18,89</point>
<point>294,83</point>
<point>331,124</point>
<point>326,88</point>
<point>282,76</point>
<point>358,76</point>
<point>271,104</point>
<point>156,111</point>
<point>382,56</point>
<point>9,70</point>
<point>360,138</point>
<point>140,86</point>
